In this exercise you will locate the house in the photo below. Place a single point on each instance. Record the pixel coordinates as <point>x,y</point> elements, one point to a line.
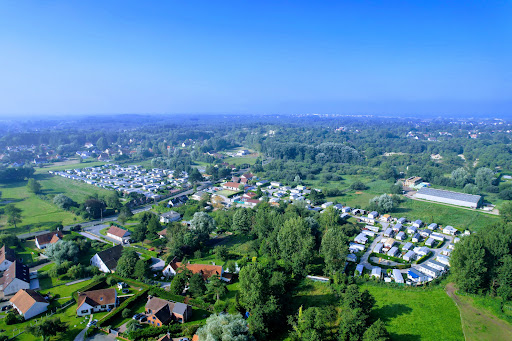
<point>427,270</point>
<point>388,232</point>
<point>416,238</point>
<point>351,258</point>
<point>346,209</point>
<point>373,215</point>
<point>412,181</point>
<point>233,186</point>
<point>368,233</point>
<point>7,257</point>
<point>162,234</point>
<point>198,195</point>
<point>436,265</point>
<point>96,300</point>
<point>29,303</point>
<point>450,230</point>
<point>359,269</point>
<point>43,240</point>
<point>162,312</point>
<point>416,276</point>
<point>401,235</point>
<point>106,260</point>
<point>361,238</point>
<point>354,247</point>
<point>437,236</point>
<point>422,251</point>
<point>378,248</point>
<point>385,217</point>
<point>389,243</point>
<point>366,219</point>
<point>261,183</point>
<point>430,242</point>
<point>418,223</point>
<point>393,251</point>
<point>407,246</point>
<point>119,234</point>
<point>178,201</point>
<point>372,228</point>
<point>251,202</point>
<point>205,270</point>
<point>412,229</point>
<point>327,204</point>
<point>409,256</point>
<point>443,259</point>
<point>397,276</point>
<point>15,278</point>
<point>377,272</point>
<point>432,226</point>
<point>169,217</point>
<point>398,227</point>
<point>275,184</point>
<point>344,216</point>
<point>425,233</point>
<point>401,221</point>
<point>247,176</point>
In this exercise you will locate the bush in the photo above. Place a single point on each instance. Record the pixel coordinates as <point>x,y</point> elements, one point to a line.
<point>12,318</point>
<point>126,313</point>
<point>150,332</point>
<point>219,306</point>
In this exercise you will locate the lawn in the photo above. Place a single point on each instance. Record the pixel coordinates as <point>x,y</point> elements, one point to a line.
<point>416,314</point>
<point>226,192</point>
<point>241,160</point>
<point>78,191</point>
<point>65,290</point>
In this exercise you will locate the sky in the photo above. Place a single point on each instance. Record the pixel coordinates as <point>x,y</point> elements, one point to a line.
<point>255,57</point>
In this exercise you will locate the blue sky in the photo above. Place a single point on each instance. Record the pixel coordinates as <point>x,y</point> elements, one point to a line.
<point>403,57</point>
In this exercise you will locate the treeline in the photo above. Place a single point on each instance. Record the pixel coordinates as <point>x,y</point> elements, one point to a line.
<point>13,174</point>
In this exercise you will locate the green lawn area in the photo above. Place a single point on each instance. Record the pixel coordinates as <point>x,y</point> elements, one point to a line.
<point>415,314</point>
<point>241,160</point>
<point>78,191</point>
<point>226,192</point>
<point>65,290</point>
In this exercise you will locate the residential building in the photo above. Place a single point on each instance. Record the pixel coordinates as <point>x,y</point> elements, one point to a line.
<point>443,259</point>
<point>409,256</point>
<point>351,258</point>
<point>412,229</point>
<point>412,181</point>
<point>422,251</point>
<point>436,265</point>
<point>29,303</point>
<point>106,260</point>
<point>373,215</point>
<point>327,204</point>
<point>43,240</point>
<point>360,269</point>
<point>393,251</point>
<point>437,236</point>
<point>425,233</point>
<point>161,312</point>
<point>397,276</point>
<point>361,238</point>
<point>416,276</point>
<point>449,197</point>
<point>377,272</point>
<point>233,186</point>
<point>418,223</point>
<point>389,243</point>
<point>450,230</point>
<point>388,232</point>
<point>398,227</point>
<point>95,301</point>
<point>7,257</point>
<point>432,226</point>
<point>430,242</point>
<point>372,228</point>
<point>119,234</point>
<point>205,270</point>
<point>378,248</point>
<point>407,246</point>
<point>427,270</point>
<point>354,247</point>
<point>416,238</point>
<point>401,235</point>
<point>401,220</point>
<point>368,233</point>
<point>169,217</point>
<point>15,278</point>
<point>162,233</point>
<point>198,195</point>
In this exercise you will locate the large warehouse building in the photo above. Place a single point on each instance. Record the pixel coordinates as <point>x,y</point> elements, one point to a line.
<point>449,197</point>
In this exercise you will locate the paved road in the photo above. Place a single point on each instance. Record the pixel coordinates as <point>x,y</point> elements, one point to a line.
<point>81,335</point>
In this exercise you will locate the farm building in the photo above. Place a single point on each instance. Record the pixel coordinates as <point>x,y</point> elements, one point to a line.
<point>449,197</point>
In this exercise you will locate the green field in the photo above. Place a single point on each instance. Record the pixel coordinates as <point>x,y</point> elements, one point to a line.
<point>241,160</point>
<point>415,314</point>
<point>78,191</point>
<point>226,192</point>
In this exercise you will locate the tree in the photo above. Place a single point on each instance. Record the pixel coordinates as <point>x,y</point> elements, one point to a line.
<point>139,232</point>
<point>468,264</point>
<point>461,177</point>
<point>506,211</point>
<point>63,201</point>
<point>194,175</point>
<point>202,224</point>
<point>242,220</point>
<point>484,177</point>
<point>47,327</point>
<point>358,186</point>
<point>334,249</point>
<point>94,207</point>
<point>33,186</point>
<point>224,327</point>
<point>141,269</point>
<point>505,278</point>
<point>222,252</point>
<point>312,324</point>
<point>352,325</point>
<point>101,144</point>
<point>329,218</point>
<point>216,287</point>
<point>76,271</point>
<point>13,214</point>
<point>376,332</point>
<point>112,200</point>
<point>383,203</point>
<point>178,283</point>
<point>126,313</point>
<point>63,251</point>
<point>296,245</point>
<point>127,262</point>
<point>196,285</point>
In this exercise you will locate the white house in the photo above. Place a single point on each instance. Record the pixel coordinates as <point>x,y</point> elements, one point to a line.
<point>450,230</point>
<point>7,257</point>
<point>443,259</point>
<point>373,215</point>
<point>430,242</point>
<point>351,258</point>
<point>346,209</point>
<point>418,223</point>
<point>372,228</point>
<point>427,270</point>
<point>327,204</point>
<point>376,272</point>
<point>389,243</point>
<point>393,251</point>
<point>422,251</point>
<point>388,232</point>
<point>407,246</point>
<point>397,276</point>
<point>368,233</point>
<point>416,276</point>
<point>169,217</point>
<point>360,269</point>
<point>106,260</point>
<point>416,238</point>
<point>15,278</point>
<point>425,233</point>
<point>432,226</point>
<point>361,238</point>
<point>43,240</point>
<point>409,256</point>
<point>96,300</point>
<point>398,227</point>
<point>29,303</point>
<point>412,229</point>
<point>119,234</point>
<point>401,235</point>
<point>378,248</point>
<point>354,247</point>
<point>436,265</point>
<point>437,236</point>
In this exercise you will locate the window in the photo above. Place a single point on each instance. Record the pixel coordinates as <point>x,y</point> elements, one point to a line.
<point>84,311</point>
<point>153,317</point>
<point>158,324</point>
<point>103,307</point>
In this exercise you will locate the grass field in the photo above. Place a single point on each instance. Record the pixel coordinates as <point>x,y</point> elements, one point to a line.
<point>241,160</point>
<point>415,314</point>
<point>226,192</point>
<point>78,191</point>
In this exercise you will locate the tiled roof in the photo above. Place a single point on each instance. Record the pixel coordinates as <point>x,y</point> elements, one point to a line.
<point>118,232</point>
<point>48,238</point>
<point>111,256</point>
<point>6,253</point>
<point>16,270</point>
<point>25,298</point>
<point>97,297</point>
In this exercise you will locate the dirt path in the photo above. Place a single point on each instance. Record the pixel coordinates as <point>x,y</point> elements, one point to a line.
<point>478,324</point>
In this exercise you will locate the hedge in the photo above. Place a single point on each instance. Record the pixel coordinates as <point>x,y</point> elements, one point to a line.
<point>174,329</point>
<point>104,321</point>
<point>157,291</point>
<point>381,255</point>
<point>91,286</point>
<point>424,258</point>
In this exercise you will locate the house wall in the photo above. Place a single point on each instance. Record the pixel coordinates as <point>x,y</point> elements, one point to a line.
<point>36,309</point>
<point>81,310</point>
<point>97,262</point>
<point>15,286</point>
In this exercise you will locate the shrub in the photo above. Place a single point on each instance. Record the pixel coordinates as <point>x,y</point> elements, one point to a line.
<point>126,313</point>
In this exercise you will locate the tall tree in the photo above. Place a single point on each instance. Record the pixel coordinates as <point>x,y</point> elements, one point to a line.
<point>216,287</point>
<point>334,249</point>
<point>13,214</point>
<point>202,224</point>
<point>468,264</point>
<point>33,186</point>
<point>484,177</point>
<point>242,220</point>
<point>48,327</point>
<point>127,262</point>
<point>62,251</point>
<point>296,245</point>
<point>224,327</point>
<point>376,332</point>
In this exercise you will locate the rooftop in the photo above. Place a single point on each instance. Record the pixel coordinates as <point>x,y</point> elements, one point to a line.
<point>450,195</point>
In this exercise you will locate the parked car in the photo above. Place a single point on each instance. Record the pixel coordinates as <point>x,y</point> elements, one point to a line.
<point>92,323</point>
<point>6,307</point>
<point>137,316</point>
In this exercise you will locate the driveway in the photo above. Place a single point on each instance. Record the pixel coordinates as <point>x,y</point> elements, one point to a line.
<point>95,230</point>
